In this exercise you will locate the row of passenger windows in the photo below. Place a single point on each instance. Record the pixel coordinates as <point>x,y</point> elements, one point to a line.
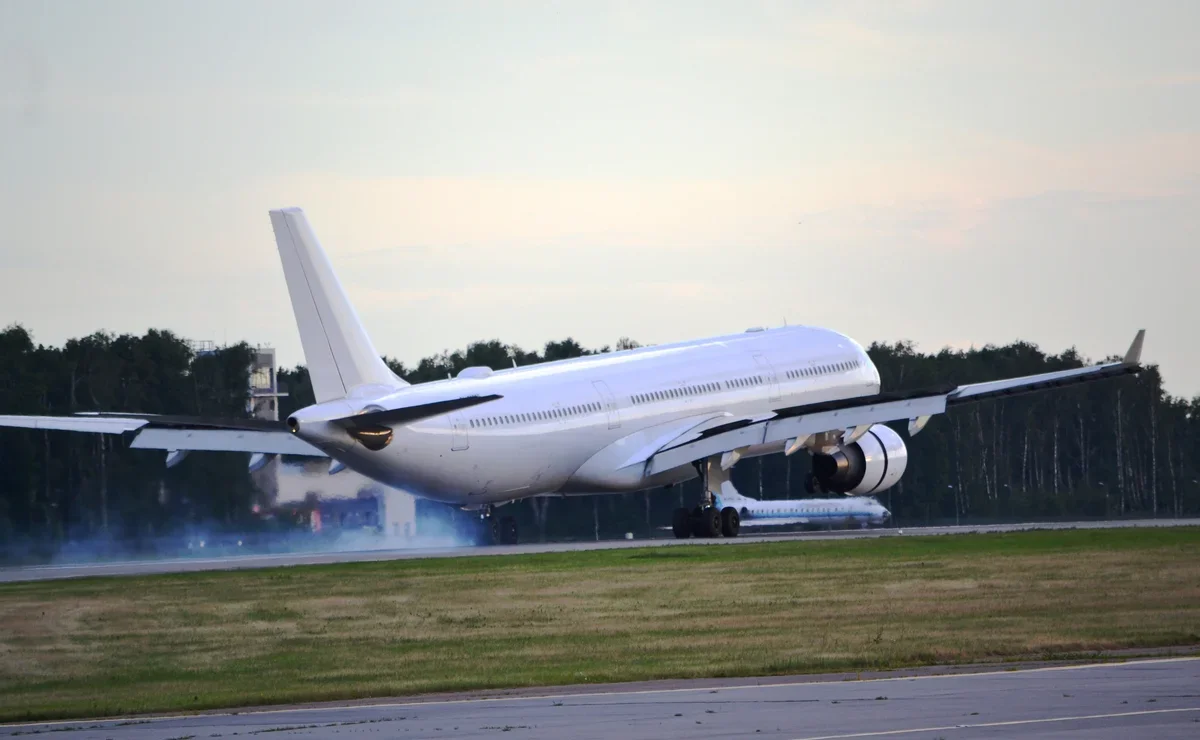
<point>747,382</point>
<point>638,398</point>
<point>686,391</point>
<point>532,416</point>
<point>812,372</point>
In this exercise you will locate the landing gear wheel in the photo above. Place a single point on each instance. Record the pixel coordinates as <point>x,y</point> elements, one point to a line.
<point>707,523</point>
<point>508,531</point>
<point>811,484</point>
<point>731,522</point>
<point>491,531</point>
<point>681,524</point>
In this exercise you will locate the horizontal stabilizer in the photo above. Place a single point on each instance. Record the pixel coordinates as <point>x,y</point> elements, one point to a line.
<point>410,414</point>
<point>93,424</point>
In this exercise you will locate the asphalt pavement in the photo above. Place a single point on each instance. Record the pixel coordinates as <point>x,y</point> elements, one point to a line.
<point>1138,699</point>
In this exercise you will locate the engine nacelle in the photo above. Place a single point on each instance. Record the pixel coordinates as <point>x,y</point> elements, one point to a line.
<point>872,464</point>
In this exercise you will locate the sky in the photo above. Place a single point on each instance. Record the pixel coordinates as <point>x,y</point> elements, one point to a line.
<point>952,173</point>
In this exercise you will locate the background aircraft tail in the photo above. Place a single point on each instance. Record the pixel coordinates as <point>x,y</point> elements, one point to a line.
<point>337,350</point>
<point>729,496</point>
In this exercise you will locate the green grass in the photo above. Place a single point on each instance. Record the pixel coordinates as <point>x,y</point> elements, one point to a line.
<point>105,646</point>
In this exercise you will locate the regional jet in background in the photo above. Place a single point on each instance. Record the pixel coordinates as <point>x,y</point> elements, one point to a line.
<point>611,423</point>
<point>849,511</point>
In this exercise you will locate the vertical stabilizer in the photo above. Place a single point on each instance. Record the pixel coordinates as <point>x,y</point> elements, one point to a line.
<point>337,350</point>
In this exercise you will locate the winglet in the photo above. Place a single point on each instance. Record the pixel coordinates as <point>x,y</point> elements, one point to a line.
<point>1134,355</point>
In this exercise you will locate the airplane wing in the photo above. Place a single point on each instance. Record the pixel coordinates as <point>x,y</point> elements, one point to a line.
<point>795,424</point>
<point>178,432</point>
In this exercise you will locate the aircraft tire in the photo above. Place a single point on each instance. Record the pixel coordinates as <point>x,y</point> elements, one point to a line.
<point>731,522</point>
<point>681,524</point>
<point>811,484</point>
<point>485,531</point>
<point>708,523</point>
<point>508,531</point>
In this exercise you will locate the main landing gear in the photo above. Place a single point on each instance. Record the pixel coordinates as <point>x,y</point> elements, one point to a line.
<point>495,530</point>
<point>707,520</point>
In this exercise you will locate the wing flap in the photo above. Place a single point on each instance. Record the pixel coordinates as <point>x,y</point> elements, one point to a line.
<point>224,440</point>
<point>410,414</point>
<point>94,424</point>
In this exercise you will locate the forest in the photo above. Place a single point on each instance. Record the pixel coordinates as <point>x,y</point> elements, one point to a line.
<point>1117,448</point>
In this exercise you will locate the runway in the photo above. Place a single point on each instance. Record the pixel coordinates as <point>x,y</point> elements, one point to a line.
<point>1147,698</point>
<point>187,565</point>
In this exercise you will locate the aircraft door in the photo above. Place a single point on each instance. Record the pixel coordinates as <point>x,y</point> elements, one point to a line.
<point>459,440</point>
<point>765,367</point>
<point>610,403</point>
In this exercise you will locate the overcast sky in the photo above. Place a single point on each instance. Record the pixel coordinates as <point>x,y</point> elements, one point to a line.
<point>953,173</point>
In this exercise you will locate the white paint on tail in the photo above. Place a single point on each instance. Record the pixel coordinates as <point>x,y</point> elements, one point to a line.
<point>337,350</point>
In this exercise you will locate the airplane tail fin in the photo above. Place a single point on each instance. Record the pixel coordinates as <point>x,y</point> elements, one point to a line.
<point>729,496</point>
<point>338,351</point>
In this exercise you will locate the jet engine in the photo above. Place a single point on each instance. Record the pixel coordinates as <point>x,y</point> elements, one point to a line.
<point>872,464</point>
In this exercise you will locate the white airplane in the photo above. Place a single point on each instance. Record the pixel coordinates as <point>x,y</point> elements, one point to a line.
<point>612,423</point>
<point>863,511</point>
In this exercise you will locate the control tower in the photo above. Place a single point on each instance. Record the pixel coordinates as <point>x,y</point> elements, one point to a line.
<point>265,391</point>
<point>295,480</point>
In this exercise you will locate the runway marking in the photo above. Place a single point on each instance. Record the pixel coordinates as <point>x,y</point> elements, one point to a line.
<point>250,712</point>
<point>1010,723</point>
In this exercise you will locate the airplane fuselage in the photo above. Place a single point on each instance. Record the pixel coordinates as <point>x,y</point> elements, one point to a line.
<point>565,427</point>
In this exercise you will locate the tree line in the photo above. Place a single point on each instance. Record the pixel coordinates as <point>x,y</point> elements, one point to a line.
<point>1118,448</point>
